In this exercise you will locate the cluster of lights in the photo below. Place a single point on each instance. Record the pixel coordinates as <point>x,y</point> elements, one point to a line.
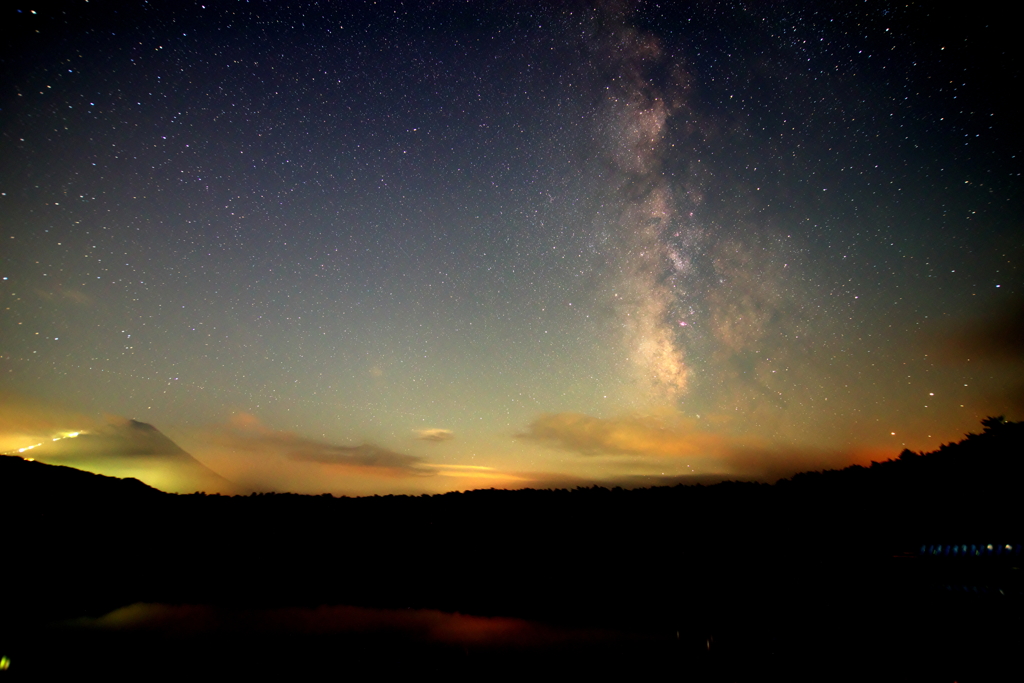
<point>69,435</point>
<point>966,551</point>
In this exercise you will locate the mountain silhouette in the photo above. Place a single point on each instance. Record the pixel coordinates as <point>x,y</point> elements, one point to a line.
<point>133,449</point>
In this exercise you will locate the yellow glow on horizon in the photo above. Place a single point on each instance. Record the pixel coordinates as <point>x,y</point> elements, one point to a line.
<point>482,475</point>
<point>8,450</point>
<point>458,467</point>
<point>474,472</point>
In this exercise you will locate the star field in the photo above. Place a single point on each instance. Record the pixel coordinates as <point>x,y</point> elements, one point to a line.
<point>574,242</point>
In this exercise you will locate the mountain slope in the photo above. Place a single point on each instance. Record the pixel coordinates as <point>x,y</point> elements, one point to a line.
<point>133,449</point>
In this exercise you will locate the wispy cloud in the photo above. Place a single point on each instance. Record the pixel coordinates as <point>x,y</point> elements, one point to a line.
<point>672,440</point>
<point>246,436</point>
<point>478,472</point>
<point>664,436</point>
<point>434,434</point>
<point>363,455</point>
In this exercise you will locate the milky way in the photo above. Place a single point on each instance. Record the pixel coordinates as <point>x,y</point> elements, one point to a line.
<point>635,114</point>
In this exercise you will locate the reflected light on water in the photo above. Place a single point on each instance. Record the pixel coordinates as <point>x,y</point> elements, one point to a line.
<point>414,625</point>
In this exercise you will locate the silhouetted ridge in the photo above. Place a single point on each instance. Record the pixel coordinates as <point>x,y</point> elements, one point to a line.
<point>20,478</point>
<point>997,452</point>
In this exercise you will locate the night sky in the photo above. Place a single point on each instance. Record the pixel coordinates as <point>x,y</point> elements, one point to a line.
<point>386,247</point>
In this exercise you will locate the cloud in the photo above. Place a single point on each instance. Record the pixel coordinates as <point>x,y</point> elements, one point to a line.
<point>434,434</point>
<point>669,435</point>
<point>273,459</point>
<point>478,473</point>
<point>243,450</point>
<point>670,440</point>
<point>245,435</point>
<point>363,455</point>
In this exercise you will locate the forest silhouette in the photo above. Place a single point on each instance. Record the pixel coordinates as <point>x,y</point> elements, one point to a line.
<point>747,560</point>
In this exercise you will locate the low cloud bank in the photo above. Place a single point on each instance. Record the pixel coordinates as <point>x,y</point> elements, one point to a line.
<point>667,436</point>
<point>673,441</point>
<point>245,436</point>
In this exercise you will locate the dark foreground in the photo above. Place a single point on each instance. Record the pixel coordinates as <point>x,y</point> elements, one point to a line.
<point>835,576</point>
<point>902,623</point>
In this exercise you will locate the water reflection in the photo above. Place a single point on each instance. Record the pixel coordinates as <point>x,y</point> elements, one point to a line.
<point>146,638</point>
<point>420,625</point>
<point>953,614</point>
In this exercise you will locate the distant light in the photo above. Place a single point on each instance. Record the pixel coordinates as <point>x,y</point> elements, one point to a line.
<point>5,661</point>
